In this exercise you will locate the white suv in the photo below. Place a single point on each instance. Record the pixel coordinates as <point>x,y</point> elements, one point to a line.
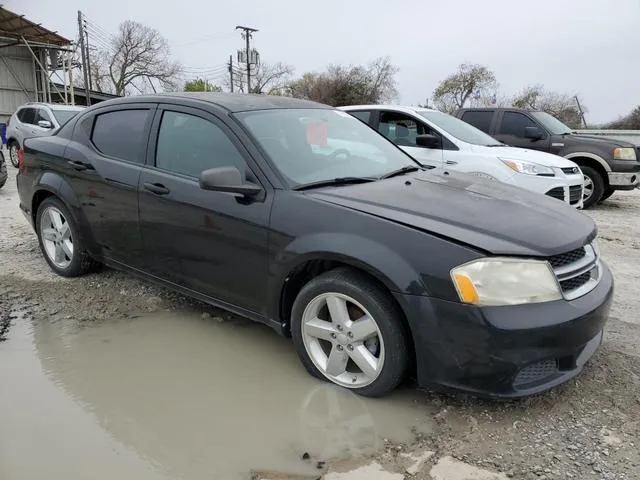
<point>35,120</point>
<point>436,139</point>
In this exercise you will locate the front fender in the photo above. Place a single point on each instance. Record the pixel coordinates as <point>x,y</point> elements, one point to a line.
<point>356,250</point>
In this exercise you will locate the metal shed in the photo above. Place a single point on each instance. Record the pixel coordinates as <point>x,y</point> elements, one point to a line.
<point>29,55</point>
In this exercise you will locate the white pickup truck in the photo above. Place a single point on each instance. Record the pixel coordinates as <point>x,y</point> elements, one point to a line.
<point>440,140</point>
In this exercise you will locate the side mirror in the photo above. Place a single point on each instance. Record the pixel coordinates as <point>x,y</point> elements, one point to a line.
<point>227,179</point>
<point>534,133</point>
<point>44,124</point>
<point>429,141</point>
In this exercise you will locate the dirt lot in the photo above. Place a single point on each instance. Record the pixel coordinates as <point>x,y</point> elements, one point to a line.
<point>108,377</point>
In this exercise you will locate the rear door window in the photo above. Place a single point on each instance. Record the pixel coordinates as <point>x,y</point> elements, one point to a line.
<point>479,119</point>
<point>121,134</point>
<point>27,115</point>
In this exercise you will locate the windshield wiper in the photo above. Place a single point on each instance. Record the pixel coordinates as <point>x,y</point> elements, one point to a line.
<point>402,171</point>
<point>334,181</point>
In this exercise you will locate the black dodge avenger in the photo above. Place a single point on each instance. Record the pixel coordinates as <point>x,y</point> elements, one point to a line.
<point>300,216</point>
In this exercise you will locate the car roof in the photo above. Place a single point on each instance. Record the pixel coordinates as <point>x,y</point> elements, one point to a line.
<point>395,108</point>
<point>56,106</point>
<point>233,102</point>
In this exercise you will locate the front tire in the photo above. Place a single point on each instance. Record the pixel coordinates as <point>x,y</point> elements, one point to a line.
<point>60,241</point>
<point>348,330</point>
<point>13,153</point>
<point>3,170</point>
<point>607,193</point>
<point>594,186</point>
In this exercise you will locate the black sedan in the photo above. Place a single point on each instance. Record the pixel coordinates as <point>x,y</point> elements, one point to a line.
<point>300,216</point>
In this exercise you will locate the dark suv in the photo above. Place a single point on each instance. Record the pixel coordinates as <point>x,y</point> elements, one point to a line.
<point>302,217</point>
<point>607,164</point>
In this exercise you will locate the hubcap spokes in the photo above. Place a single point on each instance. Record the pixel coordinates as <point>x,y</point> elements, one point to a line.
<point>587,189</point>
<point>343,340</point>
<point>56,237</point>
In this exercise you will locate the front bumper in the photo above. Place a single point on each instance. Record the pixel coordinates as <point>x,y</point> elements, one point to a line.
<point>624,180</point>
<point>506,352</point>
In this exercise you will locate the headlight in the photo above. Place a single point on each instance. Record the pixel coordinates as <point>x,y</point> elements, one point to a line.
<point>528,168</point>
<point>624,153</point>
<point>505,281</point>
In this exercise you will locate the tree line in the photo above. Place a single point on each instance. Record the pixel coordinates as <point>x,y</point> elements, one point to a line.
<point>138,61</point>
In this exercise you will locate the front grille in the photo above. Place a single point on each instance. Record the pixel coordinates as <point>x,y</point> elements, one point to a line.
<point>557,192</point>
<point>571,170</point>
<point>575,282</point>
<point>536,372</point>
<point>567,258</point>
<point>575,194</point>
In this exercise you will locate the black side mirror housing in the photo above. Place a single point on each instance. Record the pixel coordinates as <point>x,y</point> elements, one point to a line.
<point>227,179</point>
<point>429,141</point>
<point>534,133</point>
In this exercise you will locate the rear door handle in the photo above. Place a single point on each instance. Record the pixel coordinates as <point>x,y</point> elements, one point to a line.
<point>451,162</point>
<point>156,188</point>
<point>80,166</point>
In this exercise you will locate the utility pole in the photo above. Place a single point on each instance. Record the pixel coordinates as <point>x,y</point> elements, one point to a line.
<point>584,122</point>
<point>247,36</point>
<point>84,59</point>
<point>231,72</point>
<point>86,33</point>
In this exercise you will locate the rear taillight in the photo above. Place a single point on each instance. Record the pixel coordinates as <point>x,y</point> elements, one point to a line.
<point>20,159</point>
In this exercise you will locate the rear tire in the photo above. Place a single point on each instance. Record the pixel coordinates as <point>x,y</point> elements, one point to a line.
<point>594,186</point>
<point>60,240</point>
<point>3,170</point>
<point>348,330</point>
<point>13,153</point>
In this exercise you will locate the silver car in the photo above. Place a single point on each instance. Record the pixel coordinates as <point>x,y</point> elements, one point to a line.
<point>36,120</point>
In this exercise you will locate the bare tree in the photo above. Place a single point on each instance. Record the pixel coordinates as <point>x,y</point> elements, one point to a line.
<point>461,86</point>
<point>267,78</point>
<point>628,122</point>
<point>340,85</point>
<point>138,60</point>
<point>561,105</point>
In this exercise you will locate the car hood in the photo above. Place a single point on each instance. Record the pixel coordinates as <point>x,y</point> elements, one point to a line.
<point>488,215</point>
<point>527,155</point>
<point>599,141</point>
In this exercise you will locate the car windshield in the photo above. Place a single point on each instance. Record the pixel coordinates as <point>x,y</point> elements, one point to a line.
<point>551,123</point>
<point>457,128</point>
<point>316,145</point>
<point>63,116</point>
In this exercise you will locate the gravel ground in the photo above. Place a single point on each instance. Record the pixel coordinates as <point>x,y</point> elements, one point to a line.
<point>586,429</point>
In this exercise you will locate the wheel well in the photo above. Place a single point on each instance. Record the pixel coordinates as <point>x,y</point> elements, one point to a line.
<point>304,273</point>
<point>38,198</point>
<point>590,162</point>
<point>11,141</point>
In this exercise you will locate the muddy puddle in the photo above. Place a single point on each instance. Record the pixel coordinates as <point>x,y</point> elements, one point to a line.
<point>176,396</point>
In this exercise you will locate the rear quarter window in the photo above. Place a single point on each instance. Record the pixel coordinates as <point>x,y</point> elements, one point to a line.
<point>121,134</point>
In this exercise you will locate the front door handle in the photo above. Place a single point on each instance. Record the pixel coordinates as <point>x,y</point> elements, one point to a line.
<point>80,166</point>
<point>156,188</point>
<point>451,162</point>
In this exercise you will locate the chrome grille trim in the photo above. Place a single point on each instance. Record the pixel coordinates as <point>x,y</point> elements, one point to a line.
<point>590,263</point>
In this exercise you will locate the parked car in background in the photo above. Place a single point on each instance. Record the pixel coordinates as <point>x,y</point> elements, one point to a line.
<point>35,120</point>
<point>374,265</point>
<point>440,140</point>
<point>607,164</point>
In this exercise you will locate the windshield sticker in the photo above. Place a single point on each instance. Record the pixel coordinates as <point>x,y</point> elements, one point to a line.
<point>317,134</point>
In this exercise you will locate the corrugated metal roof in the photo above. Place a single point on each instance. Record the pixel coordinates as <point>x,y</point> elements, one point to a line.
<point>16,27</point>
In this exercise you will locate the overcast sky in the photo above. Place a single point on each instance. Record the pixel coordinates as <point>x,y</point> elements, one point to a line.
<point>589,47</point>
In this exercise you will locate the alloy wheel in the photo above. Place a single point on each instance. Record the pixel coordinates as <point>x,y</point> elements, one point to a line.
<point>56,237</point>
<point>587,189</point>
<point>343,340</point>
<point>13,155</point>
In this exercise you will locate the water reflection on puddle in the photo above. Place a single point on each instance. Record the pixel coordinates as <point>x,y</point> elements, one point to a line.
<point>177,396</point>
